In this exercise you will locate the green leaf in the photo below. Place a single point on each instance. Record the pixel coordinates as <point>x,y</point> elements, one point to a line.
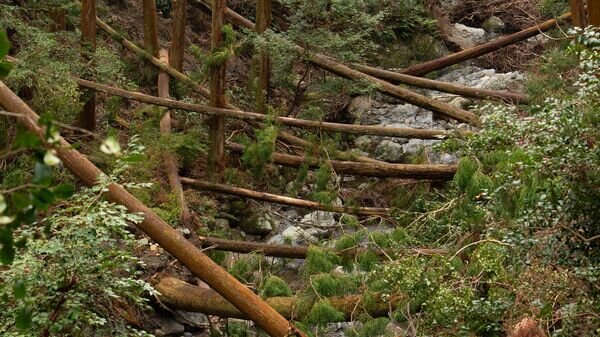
<point>42,174</point>
<point>23,320</point>
<point>134,158</point>
<point>7,253</point>
<point>63,191</point>
<point>26,139</point>
<point>21,200</point>
<point>5,68</point>
<point>4,44</point>
<point>19,289</point>
<point>43,198</point>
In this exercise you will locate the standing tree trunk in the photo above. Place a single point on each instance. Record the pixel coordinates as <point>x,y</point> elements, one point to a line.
<point>58,15</point>
<point>593,12</point>
<point>216,153</point>
<point>150,30</point>
<point>578,16</point>
<point>178,23</point>
<point>87,117</point>
<point>170,162</point>
<point>263,21</point>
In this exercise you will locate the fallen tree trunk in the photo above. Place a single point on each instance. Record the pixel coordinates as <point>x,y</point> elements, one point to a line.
<point>280,199</point>
<point>236,113</point>
<point>407,171</point>
<point>158,230</point>
<point>384,87</point>
<point>180,295</point>
<point>299,252</point>
<point>471,53</point>
<point>170,162</point>
<point>452,88</point>
<point>288,137</point>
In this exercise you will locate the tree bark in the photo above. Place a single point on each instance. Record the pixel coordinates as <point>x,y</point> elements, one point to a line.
<point>299,252</point>
<point>381,170</point>
<point>285,136</point>
<point>170,162</point>
<point>150,28</point>
<point>471,53</point>
<point>87,117</point>
<point>178,31</point>
<point>216,132</point>
<point>452,88</point>
<point>263,21</point>
<point>252,116</point>
<point>280,199</point>
<point>593,12</point>
<point>578,15</point>
<point>180,295</point>
<point>159,231</point>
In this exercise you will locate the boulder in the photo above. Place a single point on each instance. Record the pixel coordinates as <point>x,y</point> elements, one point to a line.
<point>258,222</point>
<point>389,151</point>
<point>493,25</point>
<point>319,219</point>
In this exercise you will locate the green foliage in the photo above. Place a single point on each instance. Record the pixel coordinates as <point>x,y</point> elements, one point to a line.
<point>322,313</point>
<point>372,328</point>
<point>275,286</point>
<point>319,261</point>
<point>71,275</point>
<point>5,66</point>
<point>327,285</point>
<point>258,154</point>
<point>217,56</point>
<point>244,268</point>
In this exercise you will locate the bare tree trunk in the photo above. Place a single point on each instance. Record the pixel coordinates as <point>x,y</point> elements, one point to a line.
<point>578,15</point>
<point>178,23</point>
<point>177,294</point>
<point>252,116</point>
<point>280,199</point>
<point>158,230</point>
<point>299,252</point>
<point>150,29</point>
<point>216,133</point>
<point>87,117</point>
<point>263,21</point>
<point>170,162</point>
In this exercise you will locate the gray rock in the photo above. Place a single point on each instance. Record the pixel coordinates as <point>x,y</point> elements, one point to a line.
<point>448,158</point>
<point>222,224</point>
<point>169,327</point>
<point>259,222</point>
<point>191,318</point>
<point>493,25</point>
<point>465,36</point>
<point>295,235</point>
<point>359,106</point>
<point>319,219</point>
<point>413,146</point>
<point>424,119</point>
<point>362,142</point>
<point>461,102</point>
<point>389,151</point>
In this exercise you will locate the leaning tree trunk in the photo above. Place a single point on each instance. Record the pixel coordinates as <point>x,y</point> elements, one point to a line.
<point>170,162</point>
<point>150,28</point>
<point>158,230</point>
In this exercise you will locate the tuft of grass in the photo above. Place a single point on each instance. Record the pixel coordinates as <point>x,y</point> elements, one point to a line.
<point>322,313</point>
<point>275,286</point>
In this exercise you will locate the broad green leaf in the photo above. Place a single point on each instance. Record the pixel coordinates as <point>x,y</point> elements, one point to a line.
<point>42,174</point>
<point>43,198</point>
<point>21,200</point>
<point>19,289</point>
<point>2,204</point>
<point>63,191</point>
<point>7,253</point>
<point>5,68</point>
<point>23,320</point>
<point>4,44</point>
